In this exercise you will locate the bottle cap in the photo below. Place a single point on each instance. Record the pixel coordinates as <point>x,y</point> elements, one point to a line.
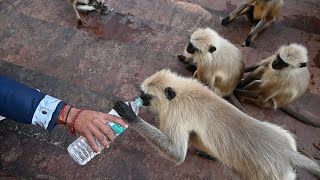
<point>139,101</point>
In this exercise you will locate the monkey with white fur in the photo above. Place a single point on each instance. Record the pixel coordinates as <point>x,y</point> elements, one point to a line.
<point>190,112</point>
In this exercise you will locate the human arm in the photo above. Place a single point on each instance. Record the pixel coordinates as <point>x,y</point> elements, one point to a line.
<point>26,105</point>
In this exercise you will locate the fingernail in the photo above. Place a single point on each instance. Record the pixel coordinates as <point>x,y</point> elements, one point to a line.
<point>108,146</point>
<point>126,126</point>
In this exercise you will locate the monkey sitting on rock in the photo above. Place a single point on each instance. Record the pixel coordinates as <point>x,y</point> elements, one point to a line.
<point>216,62</point>
<point>189,112</point>
<point>278,80</point>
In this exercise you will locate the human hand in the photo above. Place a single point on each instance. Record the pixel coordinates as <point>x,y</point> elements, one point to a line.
<point>92,124</point>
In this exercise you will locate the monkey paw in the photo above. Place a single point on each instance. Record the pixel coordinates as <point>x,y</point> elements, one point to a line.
<point>191,67</point>
<point>79,24</point>
<point>247,41</point>
<point>182,58</point>
<point>225,21</point>
<point>104,10</point>
<point>125,111</point>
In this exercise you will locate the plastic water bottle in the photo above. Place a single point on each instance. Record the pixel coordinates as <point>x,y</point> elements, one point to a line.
<point>81,151</point>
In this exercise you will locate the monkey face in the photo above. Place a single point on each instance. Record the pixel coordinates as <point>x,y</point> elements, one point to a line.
<point>279,63</point>
<point>98,4</point>
<point>146,98</point>
<point>191,49</point>
<point>293,56</point>
<point>158,90</point>
<point>168,92</point>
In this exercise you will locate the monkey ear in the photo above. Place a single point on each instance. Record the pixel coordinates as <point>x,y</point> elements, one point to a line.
<point>170,93</point>
<point>212,49</point>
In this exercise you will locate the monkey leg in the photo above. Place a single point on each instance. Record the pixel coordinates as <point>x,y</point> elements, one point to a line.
<point>243,94</point>
<point>260,103</point>
<point>251,68</point>
<point>184,59</point>
<point>254,76</point>
<point>174,144</point>
<point>243,9</point>
<point>77,14</point>
<point>204,155</point>
<point>234,100</point>
<point>191,67</point>
<point>257,29</point>
<point>305,118</point>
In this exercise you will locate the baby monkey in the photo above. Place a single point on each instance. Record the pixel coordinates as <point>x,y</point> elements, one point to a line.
<point>278,80</point>
<point>261,13</point>
<point>87,6</point>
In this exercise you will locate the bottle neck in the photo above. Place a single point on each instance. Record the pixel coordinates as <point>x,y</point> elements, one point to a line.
<point>139,101</point>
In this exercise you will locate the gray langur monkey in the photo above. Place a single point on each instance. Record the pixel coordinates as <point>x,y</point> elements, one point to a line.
<point>219,64</point>
<point>261,13</point>
<point>87,6</point>
<point>189,112</point>
<point>278,80</point>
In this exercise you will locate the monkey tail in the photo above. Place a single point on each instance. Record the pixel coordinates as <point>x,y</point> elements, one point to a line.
<point>304,162</point>
<point>303,117</point>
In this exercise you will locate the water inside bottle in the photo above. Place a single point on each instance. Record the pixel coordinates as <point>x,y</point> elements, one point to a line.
<point>81,151</point>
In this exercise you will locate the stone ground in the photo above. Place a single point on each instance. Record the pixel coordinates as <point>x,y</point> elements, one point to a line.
<point>108,59</point>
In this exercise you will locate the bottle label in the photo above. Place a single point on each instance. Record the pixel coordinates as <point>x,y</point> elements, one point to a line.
<point>117,128</point>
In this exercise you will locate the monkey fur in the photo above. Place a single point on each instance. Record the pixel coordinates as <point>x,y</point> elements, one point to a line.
<point>278,80</point>
<point>189,112</point>
<point>87,6</point>
<point>217,62</point>
<point>261,13</point>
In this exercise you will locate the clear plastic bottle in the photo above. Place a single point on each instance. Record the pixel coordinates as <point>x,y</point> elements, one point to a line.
<point>81,151</point>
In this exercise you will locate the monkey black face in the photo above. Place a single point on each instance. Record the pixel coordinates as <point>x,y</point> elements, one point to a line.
<point>279,63</point>
<point>146,98</point>
<point>170,93</point>
<point>98,4</point>
<point>191,49</point>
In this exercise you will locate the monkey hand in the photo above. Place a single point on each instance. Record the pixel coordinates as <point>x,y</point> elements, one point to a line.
<point>125,112</point>
<point>104,10</point>
<point>225,21</point>
<point>182,58</point>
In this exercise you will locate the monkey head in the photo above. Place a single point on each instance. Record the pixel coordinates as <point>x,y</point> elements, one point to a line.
<point>292,56</point>
<point>98,4</point>
<point>202,41</point>
<point>166,92</point>
<point>158,90</point>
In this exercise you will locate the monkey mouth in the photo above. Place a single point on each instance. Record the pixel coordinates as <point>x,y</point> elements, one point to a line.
<point>278,63</point>
<point>191,49</point>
